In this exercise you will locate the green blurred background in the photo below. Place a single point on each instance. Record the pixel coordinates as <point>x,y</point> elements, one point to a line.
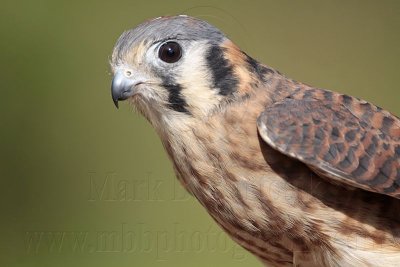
<point>84,184</point>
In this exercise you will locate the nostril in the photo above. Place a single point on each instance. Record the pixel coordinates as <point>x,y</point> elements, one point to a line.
<point>128,73</point>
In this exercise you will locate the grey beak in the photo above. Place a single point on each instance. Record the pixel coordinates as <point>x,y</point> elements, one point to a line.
<point>122,87</point>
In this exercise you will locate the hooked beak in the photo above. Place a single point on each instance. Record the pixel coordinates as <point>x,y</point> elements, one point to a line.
<point>122,86</point>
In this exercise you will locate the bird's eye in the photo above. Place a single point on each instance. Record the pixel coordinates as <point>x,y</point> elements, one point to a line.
<point>170,52</point>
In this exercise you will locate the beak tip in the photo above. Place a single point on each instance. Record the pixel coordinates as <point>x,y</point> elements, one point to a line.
<point>121,87</point>
<point>116,103</point>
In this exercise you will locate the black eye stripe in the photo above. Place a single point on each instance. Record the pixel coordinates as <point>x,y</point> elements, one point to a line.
<point>175,98</point>
<point>223,76</point>
<point>170,52</point>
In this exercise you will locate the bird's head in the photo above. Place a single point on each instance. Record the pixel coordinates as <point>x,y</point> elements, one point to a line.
<point>180,67</point>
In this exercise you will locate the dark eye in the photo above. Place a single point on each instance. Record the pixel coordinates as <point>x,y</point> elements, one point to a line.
<point>170,52</point>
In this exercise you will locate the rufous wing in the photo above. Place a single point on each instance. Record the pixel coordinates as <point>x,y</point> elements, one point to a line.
<point>337,136</point>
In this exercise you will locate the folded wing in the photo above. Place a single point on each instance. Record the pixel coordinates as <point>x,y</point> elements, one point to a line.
<point>337,136</point>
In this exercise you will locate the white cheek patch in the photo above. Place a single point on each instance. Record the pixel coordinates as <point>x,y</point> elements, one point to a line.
<point>195,79</point>
<point>192,75</point>
<point>155,90</point>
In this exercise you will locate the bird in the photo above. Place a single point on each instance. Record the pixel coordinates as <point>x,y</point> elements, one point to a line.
<point>297,175</point>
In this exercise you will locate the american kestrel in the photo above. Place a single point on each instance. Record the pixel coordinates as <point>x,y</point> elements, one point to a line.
<point>297,175</point>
